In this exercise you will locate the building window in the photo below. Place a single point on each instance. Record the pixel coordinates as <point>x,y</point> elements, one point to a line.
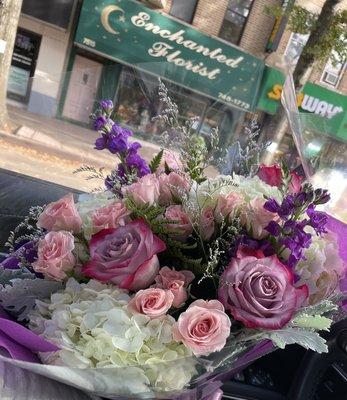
<point>332,72</point>
<point>235,20</point>
<point>295,46</point>
<point>183,9</point>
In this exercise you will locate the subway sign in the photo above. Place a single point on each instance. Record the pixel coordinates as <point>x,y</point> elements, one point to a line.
<point>310,103</point>
<point>134,35</point>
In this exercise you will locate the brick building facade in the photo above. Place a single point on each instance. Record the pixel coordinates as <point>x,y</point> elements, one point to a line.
<point>209,16</point>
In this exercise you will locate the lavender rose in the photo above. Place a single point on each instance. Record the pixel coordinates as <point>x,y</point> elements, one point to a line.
<point>260,292</point>
<point>125,256</point>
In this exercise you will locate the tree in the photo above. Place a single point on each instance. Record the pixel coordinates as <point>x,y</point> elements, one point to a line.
<point>328,36</point>
<point>9,17</point>
<point>328,39</point>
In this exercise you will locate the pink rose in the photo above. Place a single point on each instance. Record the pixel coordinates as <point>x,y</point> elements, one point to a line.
<point>175,281</point>
<point>173,186</point>
<point>260,292</point>
<point>183,228</point>
<point>203,328</point>
<point>55,256</point>
<point>295,183</point>
<point>153,302</point>
<point>172,160</point>
<point>145,190</point>
<point>110,216</point>
<point>256,218</point>
<point>206,223</point>
<point>272,175</point>
<point>227,206</point>
<point>125,256</point>
<point>61,215</point>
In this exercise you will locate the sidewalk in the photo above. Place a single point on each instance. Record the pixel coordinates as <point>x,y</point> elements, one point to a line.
<point>63,139</point>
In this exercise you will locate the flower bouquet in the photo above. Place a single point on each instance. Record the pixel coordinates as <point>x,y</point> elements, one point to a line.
<point>168,278</point>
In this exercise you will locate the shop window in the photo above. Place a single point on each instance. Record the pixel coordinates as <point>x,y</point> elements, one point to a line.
<point>137,103</point>
<point>58,12</point>
<point>235,20</point>
<point>23,65</point>
<point>332,72</point>
<point>295,46</point>
<point>183,9</point>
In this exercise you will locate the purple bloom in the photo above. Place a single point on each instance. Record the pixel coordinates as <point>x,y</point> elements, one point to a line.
<point>107,105</point>
<point>100,122</point>
<point>27,251</point>
<point>321,196</point>
<point>318,220</point>
<point>135,161</point>
<point>118,130</point>
<point>134,147</point>
<point>300,199</point>
<point>287,207</point>
<point>101,142</point>
<point>273,228</point>
<point>117,144</point>
<point>272,206</point>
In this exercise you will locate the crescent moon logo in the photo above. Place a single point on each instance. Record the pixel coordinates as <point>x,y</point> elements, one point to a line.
<point>105,18</point>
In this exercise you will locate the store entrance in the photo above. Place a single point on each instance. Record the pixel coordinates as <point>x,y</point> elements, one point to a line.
<point>83,86</point>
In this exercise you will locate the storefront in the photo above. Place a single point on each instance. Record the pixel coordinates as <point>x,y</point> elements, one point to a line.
<point>41,48</point>
<point>322,115</point>
<point>25,52</point>
<point>120,50</point>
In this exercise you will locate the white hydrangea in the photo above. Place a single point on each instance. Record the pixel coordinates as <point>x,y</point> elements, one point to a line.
<point>87,203</point>
<point>93,327</point>
<point>323,266</point>
<point>207,192</point>
<point>254,187</point>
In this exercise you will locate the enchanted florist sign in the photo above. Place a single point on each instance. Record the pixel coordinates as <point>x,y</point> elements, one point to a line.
<point>128,32</point>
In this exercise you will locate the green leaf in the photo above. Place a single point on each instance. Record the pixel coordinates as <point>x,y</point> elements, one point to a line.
<point>316,322</point>
<point>324,307</point>
<point>156,160</point>
<point>305,338</point>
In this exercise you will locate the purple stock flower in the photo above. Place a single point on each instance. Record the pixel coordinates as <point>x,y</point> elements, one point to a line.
<point>101,142</point>
<point>273,228</point>
<point>27,251</point>
<point>284,210</point>
<point>318,220</point>
<point>100,122</point>
<point>135,161</point>
<point>107,105</point>
<point>117,144</point>
<point>272,206</point>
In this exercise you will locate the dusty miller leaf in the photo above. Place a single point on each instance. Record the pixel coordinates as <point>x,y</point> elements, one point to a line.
<point>316,322</point>
<point>303,337</point>
<point>324,307</point>
<point>6,275</point>
<point>20,296</point>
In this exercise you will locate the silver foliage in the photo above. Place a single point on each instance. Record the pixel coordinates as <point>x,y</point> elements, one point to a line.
<point>245,159</point>
<point>20,295</point>
<point>303,337</point>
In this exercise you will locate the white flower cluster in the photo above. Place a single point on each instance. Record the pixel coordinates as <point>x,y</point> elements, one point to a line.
<point>207,193</point>
<point>322,268</point>
<point>87,203</point>
<point>93,328</point>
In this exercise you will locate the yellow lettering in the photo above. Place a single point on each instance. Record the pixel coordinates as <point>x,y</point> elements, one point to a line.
<point>275,93</point>
<point>300,98</point>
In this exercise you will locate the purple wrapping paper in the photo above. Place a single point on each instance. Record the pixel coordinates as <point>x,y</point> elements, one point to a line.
<point>20,342</point>
<point>340,229</point>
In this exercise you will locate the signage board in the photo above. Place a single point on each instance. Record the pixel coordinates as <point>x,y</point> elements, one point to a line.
<point>327,108</point>
<point>128,32</point>
<point>25,52</point>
